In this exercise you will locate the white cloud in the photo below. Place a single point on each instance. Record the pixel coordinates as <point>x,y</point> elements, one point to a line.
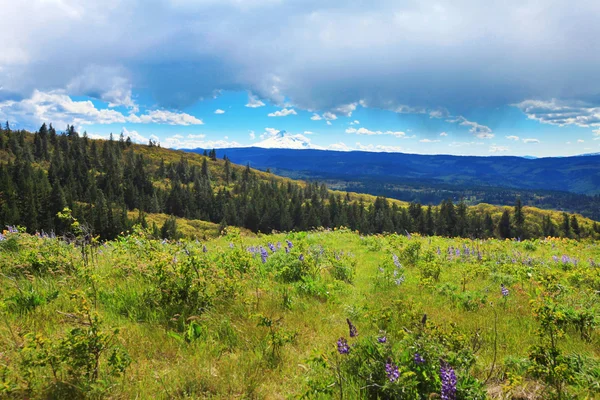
<point>61,110</point>
<point>308,133</point>
<point>379,148</point>
<point>340,146</point>
<point>219,111</point>
<point>439,113</point>
<point>135,136</point>
<point>345,109</point>
<point>512,137</point>
<point>429,140</point>
<point>463,144</point>
<point>316,117</point>
<point>498,149</point>
<point>328,122</point>
<point>254,102</point>
<point>480,131</point>
<point>531,140</point>
<point>443,134</point>
<point>252,135</point>
<point>561,113</point>
<point>269,132</point>
<point>365,131</point>
<point>580,141</point>
<point>329,116</point>
<point>283,113</point>
<point>355,122</point>
<point>194,143</point>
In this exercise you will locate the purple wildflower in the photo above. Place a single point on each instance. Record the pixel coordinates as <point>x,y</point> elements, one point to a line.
<point>448,378</point>
<point>457,252</point>
<point>418,359</point>
<point>231,245</point>
<point>2,237</point>
<point>399,281</point>
<point>439,251</point>
<point>352,328</point>
<point>396,261</point>
<point>382,339</point>
<point>504,290</point>
<point>342,346</point>
<point>287,249</point>
<point>272,247</point>
<point>204,249</point>
<point>289,243</point>
<point>391,370</point>
<point>566,259</point>
<point>301,257</point>
<point>263,254</point>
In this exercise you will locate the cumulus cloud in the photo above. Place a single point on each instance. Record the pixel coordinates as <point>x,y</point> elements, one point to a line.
<point>561,113</point>
<point>443,134</point>
<point>219,111</point>
<point>498,149</point>
<point>512,137</point>
<point>283,113</point>
<point>316,117</point>
<point>365,131</point>
<point>480,131</point>
<point>531,140</point>
<point>379,148</point>
<point>329,116</point>
<point>254,102</point>
<point>60,109</point>
<point>252,135</point>
<point>340,146</point>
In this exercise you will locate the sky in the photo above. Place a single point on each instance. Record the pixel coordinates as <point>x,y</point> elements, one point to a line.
<point>511,77</point>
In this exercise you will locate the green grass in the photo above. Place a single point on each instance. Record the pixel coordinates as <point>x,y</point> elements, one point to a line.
<point>130,283</point>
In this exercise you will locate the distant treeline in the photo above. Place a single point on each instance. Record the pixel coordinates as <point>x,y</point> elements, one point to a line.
<point>44,172</point>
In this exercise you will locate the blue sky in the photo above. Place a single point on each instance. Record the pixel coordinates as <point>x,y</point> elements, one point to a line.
<point>452,77</point>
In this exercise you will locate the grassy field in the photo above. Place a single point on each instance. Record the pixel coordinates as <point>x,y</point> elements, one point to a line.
<point>269,316</point>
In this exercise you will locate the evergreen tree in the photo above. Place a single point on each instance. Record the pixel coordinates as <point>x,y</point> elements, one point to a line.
<point>566,226</point>
<point>504,228</point>
<point>575,226</point>
<point>519,218</point>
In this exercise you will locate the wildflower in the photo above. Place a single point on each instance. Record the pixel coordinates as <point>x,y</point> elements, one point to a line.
<point>287,249</point>
<point>352,328</point>
<point>301,257</point>
<point>382,339</point>
<point>399,281</point>
<point>2,237</point>
<point>278,245</point>
<point>391,370</point>
<point>439,251</point>
<point>418,359</point>
<point>342,346</point>
<point>397,262</point>
<point>289,243</point>
<point>204,249</point>
<point>231,245</point>
<point>272,247</point>
<point>504,290</point>
<point>448,378</point>
<point>263,254</point>
<point>457,252</point>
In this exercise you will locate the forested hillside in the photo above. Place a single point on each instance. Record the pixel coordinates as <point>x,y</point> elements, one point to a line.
<point>105,182</point>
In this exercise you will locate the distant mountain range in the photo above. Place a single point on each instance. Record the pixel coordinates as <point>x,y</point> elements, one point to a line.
<point>567,174</point>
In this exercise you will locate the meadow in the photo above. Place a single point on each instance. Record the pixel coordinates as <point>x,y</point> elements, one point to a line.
<point>316,315</point>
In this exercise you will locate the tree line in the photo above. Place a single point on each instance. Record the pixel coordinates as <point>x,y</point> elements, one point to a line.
<point>101,180</point>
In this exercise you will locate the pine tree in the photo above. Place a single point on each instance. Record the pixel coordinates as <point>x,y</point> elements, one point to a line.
<point>519,218</point>
<point>566,226</point>
<point>575,226</point>
<point>504,228</point>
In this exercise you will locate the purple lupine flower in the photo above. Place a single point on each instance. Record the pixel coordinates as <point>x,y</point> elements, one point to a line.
<point>504,290</point>
<point>12,229</point>
<point>204,249</point>
<point>352,328</point>
<point>381,270</point>
<point>263,254</point>
<point>457,252</point>
<point>2,237</point>
<point>289,243</point>
<point>301,257</point>
<point>448,378</point>
<point>278,245</point>
<point>407,234</point>
<point>439,251</point>
<point>396,261</point>
<point>272,247</point>
<point>231,245</point>
<point>164,241</point>
<point>391,370</point>
<point>566,259</point>
<point>399,281</point>
<point>287,249</point>
<point>342,346</point>
<point>382,339</point>
<point>418,359</point>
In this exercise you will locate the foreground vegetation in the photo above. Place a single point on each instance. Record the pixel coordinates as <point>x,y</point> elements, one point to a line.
<point>320,314</point>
